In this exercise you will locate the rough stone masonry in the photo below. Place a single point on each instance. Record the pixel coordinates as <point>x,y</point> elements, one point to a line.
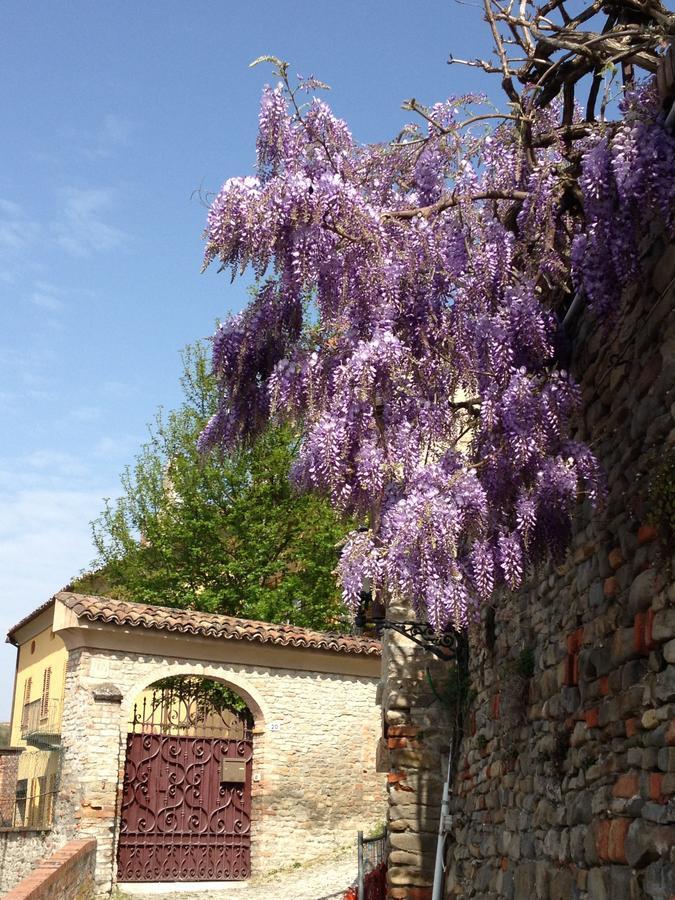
<point>565,781</point>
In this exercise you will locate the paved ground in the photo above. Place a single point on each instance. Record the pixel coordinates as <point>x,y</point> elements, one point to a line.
<point>327,880</point>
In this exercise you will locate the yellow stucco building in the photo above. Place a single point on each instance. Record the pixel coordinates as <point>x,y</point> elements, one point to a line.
<point>37,707</point>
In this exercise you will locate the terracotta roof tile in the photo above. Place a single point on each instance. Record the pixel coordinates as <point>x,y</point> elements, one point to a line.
<point>187,621</point>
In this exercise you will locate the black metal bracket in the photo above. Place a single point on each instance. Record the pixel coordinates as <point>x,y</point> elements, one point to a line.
<point>443,644</point>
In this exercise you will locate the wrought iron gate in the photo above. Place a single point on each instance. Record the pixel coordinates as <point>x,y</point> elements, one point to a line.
<point>186,803</point>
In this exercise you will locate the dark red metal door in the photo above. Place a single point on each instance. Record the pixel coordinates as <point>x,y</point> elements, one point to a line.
<point>179,821</point>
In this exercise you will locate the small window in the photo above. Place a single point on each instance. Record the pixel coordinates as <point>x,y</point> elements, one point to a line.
<point>21,788</point>
<point>21,796</point>
<point>32,647</point>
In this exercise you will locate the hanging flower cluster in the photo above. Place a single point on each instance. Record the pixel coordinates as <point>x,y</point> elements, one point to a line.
<point>402,319</point>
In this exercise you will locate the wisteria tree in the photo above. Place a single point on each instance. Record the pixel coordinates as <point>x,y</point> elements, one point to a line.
<point>410,296</point>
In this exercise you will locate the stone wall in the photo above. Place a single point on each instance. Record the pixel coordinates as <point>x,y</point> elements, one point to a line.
<point>21,850</point>
<point>566,776</point>
<point>566,785</point>
<point>9,770</point>
<point>67,875</point>
<point>314,741</point>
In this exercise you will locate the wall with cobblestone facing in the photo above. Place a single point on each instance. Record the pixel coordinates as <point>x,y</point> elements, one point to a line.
<point>68,874</point>
<point>566,776</point>
<point>9,769</point>
<point>566,784</point>
<point>22,849</point>
<point>314,745</point>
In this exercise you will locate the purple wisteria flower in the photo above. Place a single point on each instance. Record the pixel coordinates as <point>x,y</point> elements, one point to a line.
<point>400,321</point>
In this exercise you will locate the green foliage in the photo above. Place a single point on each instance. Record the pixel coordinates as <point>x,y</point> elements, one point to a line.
<point>525,663</point>
<point>514,671</point>
<point>225,534</point>
<point>210,693</point>
<point>456,693</point>
<point>662,493</point>
<point>377,831</point>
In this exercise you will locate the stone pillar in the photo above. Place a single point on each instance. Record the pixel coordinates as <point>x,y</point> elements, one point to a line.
<point>91,761</point>
<point>416,743</point>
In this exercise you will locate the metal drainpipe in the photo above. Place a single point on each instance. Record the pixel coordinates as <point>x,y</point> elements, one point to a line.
<point>442,830</point>
<point>670,118</point>
<point>572,311</point>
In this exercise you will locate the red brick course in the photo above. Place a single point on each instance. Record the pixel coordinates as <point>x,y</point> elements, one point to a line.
<point>67,874</point>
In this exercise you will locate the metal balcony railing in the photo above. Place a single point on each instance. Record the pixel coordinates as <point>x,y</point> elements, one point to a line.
<point>41,723</point>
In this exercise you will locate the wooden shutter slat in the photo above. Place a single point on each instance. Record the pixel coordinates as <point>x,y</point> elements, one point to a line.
<point>46,679</point>
<point>27,688</point>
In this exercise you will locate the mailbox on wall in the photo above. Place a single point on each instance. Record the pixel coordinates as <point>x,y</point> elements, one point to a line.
<point>233,771</point>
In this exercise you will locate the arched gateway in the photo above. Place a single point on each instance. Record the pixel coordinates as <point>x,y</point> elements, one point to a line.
<point>186,797</point>
<point>139,781</point>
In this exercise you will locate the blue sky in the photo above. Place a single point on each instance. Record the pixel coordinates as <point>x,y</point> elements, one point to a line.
<point>116,116</point>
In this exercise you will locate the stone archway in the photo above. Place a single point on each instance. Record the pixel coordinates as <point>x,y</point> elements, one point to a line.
<point>234,680</point>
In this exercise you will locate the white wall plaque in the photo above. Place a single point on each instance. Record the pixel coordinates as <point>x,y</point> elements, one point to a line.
<point>99,668</point>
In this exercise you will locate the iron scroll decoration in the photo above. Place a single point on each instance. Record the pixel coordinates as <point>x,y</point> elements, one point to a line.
<point>443,644</point>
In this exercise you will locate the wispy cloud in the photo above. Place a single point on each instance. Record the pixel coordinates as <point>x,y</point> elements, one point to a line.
<point>122,446</point>
<point>85,413</point>
<point>113,134</point>
<point>115,131</point>
<point>45,539</point>
<point>82,230</point>
<point>15,227</point>
<point>117,389</point>
<point>44,297</point>
<point>47,500</point>
<point>18,233</point>
<point>65,464</point>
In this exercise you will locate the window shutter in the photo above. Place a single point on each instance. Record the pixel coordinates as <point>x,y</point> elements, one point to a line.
<point>27,687</point>
<point>46,678</point>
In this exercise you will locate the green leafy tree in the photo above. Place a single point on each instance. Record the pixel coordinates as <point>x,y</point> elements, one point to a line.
<point>215,532</point>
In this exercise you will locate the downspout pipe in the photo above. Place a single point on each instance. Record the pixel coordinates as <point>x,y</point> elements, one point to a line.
<point>436,893</point>
<point>670,118</point>
<point>573,309</point>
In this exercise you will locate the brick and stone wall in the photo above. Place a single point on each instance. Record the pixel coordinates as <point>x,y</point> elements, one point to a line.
<point>9,770</point>
<point>21,850</point>
<point>314,742</point>
<point>68,874</point>
<point>416,728</point>
<point>566,777</point>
